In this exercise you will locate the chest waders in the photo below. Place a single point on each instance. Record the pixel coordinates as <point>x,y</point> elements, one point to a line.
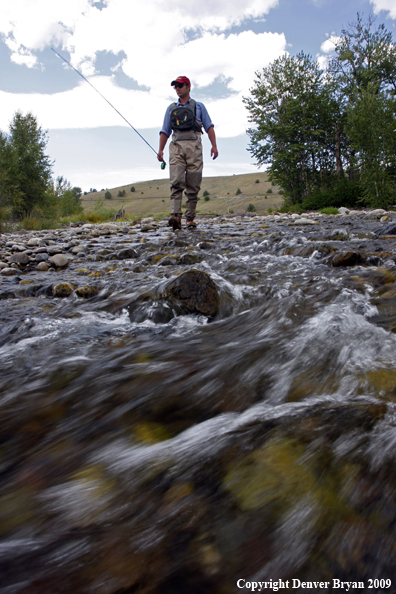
<point>185,158</point>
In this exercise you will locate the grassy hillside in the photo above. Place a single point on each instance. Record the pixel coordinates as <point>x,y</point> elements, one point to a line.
<point>152,197</point>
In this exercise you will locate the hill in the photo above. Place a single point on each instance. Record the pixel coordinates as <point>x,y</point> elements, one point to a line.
<point>152,197</point>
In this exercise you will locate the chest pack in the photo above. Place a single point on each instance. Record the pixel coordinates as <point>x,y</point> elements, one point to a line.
<point>183,117</point>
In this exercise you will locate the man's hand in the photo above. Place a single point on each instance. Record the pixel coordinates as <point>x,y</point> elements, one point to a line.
<point>160,155</point>
<point>214,153</point>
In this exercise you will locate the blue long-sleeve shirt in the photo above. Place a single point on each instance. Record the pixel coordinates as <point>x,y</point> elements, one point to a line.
<point>201,115</point>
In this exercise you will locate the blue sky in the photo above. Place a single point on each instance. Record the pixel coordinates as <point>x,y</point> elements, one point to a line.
<point>131,51</point>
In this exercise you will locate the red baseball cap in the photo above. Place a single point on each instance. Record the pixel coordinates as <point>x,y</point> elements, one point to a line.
<point>181,79</point>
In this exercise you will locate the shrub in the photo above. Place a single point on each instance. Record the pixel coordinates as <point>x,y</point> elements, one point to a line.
<point>257,181</point>
<point>231,211</point>
<point>207,198</point>
<point>251,208</point>
<point>238,192</point>
<point>343,193</point>
<point>108,195</point>
<point>269,191</point>
<point>120,194</point>
<point>133,189</point>
<point>329,210</point>
<point>206,193</point>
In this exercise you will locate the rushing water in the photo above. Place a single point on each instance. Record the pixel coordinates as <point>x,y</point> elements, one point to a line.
<point>150,450</point>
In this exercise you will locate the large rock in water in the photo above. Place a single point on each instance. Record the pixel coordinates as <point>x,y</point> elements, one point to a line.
<point>195,291</point>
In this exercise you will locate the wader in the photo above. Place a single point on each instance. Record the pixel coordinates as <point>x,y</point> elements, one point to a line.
<point>185,164</point>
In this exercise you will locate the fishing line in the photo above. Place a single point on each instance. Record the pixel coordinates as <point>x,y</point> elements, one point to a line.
<point>163,164</point>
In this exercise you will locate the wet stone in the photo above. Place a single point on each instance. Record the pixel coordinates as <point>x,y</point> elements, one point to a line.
<point>63,289</point>
<point>196,291</point>
<point>350,258</point>
<point>126,254</point>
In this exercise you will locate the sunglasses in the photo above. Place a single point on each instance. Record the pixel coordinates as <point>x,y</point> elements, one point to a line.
<point>179,85</point>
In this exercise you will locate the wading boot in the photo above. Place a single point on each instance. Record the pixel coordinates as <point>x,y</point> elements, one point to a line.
<point>191,224</point>
<point>175,222</point>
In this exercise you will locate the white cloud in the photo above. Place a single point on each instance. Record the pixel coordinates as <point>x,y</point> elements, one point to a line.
<point>386,5</point>
<point>155,37</point>
<point>330,43</point>
<point>156,48</point>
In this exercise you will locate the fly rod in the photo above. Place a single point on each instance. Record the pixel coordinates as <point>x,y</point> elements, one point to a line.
<point>163,164</point>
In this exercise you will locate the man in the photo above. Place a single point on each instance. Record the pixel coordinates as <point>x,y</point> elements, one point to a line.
<point>185,118</point>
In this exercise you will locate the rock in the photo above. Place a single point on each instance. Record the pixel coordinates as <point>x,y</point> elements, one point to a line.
<point>19,258</point>
<point>59,261</point>
<point>302,221</point>
<point>385,219</point>
<point>149,227</point>
<point>344,211</point>
<point>376,214</point>
<point>78,249</point>
<point>53,250</point>
<point>8,271</point>
<point>3,265</point>
<point>42,266</point>
<point>109,227</point>
<point>43,257</point>
<point>347,259</point>
<point>190,258</point>
<point>126,254</point>
<point>63,289</point>
<point>86,292</point>
<point>33,241</point>
<point>195,291</point>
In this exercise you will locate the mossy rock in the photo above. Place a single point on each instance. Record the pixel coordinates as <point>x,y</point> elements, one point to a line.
<point>86,292</point>
<point>63,289</point>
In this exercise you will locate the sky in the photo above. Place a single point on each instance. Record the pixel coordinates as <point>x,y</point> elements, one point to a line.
<point>130,51</point>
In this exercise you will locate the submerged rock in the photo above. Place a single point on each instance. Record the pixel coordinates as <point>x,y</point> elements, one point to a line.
<point>196,291</point>
<point>63,289</point>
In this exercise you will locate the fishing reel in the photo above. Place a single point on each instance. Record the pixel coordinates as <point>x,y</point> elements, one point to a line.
<point>163,165</point>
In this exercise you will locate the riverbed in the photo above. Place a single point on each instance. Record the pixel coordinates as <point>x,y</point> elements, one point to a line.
<point>152,445</point>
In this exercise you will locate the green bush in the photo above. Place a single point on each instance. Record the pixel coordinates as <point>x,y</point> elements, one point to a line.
<point>329,210</point>
<point>120,194</point>
<point>269,191</point>
<point>133,189</point>
<point>251,208</point>
<point>238,192</point>
<point>257,181</point>
<point>207,198</point>
<point>343,193</point>
<point>108,195</point>
<point>206,193</point>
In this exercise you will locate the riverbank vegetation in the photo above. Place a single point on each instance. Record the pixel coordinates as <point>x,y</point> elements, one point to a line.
<point>28,193</point>
<point>329,135</point>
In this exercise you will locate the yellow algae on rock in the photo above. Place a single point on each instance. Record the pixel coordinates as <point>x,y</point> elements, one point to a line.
<point>273,473</point>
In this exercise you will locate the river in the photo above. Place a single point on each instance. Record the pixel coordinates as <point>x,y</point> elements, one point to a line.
<point>150,448</point>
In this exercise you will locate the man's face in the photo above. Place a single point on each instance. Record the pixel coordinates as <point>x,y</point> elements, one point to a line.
<point>182,90</point>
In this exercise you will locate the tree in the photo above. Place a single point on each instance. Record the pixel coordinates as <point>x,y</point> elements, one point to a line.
<point>371,129</point>
<point>364,70</point>
<point>107,195</point>
<point>364,57</point>
<point>298,124</point>
<point>29,166</point>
